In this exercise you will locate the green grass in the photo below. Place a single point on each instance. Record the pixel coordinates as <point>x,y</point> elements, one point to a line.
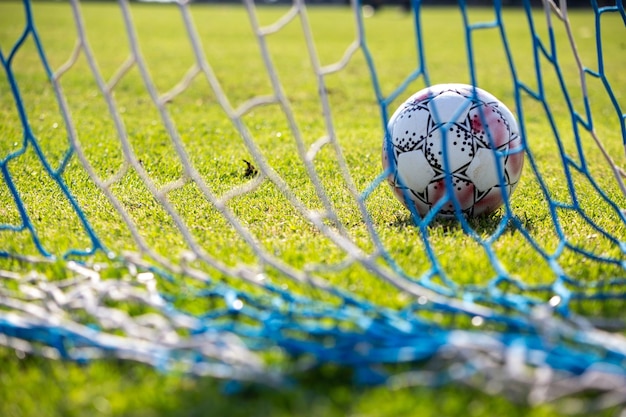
<point>39,387</point>
<point>34,386</point>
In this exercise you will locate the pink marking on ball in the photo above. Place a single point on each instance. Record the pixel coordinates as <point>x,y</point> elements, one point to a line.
<point>465,194</point>
<point>515,161</point>
<point>488,121</point>
<point>477,124</point>
<point>489,202</point>
<point>436,190</point>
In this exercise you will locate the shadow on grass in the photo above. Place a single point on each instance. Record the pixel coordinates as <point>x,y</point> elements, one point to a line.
<point>483,225</point>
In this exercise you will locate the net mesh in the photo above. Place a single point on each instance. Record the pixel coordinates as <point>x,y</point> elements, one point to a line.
<point>232,257</point>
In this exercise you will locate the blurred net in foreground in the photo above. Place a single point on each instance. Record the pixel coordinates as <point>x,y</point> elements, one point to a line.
<point>240,320</point>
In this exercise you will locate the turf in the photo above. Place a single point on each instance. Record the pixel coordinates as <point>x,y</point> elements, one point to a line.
<point>109,387</point>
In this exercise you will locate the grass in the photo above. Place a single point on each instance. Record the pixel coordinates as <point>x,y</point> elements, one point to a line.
<point>216,150</point>
<point>123,389</point>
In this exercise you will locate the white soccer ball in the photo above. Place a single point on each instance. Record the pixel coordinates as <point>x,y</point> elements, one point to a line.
<point>458,132</point>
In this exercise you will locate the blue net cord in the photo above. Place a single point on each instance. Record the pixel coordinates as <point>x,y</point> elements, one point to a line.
<point>30,141</point>
<point>488,334</point>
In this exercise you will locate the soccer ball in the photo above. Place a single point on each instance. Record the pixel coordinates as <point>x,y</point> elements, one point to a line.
<point>453,134</point>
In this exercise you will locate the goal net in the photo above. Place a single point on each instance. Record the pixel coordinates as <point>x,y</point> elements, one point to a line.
<point>200,188</point>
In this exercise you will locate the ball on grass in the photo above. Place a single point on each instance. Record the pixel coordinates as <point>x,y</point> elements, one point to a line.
<point>454,142</point>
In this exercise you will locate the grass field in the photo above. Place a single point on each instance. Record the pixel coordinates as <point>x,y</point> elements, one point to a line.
<point>35,386</point>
